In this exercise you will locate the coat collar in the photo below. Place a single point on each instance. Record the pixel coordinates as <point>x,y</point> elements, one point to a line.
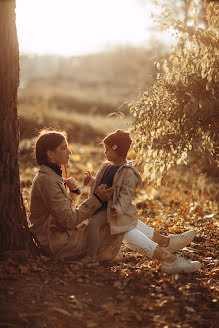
<point>130,165</point>
<point>54,175</point>
<point>48,170</point>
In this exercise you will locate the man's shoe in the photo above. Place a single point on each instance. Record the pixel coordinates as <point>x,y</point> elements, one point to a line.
<point>179,241</point>
<point>180,265</point>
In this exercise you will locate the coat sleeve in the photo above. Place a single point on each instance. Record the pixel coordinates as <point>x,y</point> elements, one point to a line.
<point>126,194</point>
<point>74,198</point>
<point>60,206</point>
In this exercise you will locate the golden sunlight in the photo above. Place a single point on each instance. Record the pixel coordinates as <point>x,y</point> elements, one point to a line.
<point>74,27</point>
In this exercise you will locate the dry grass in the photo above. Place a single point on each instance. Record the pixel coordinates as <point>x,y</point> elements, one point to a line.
<point>81,127</point>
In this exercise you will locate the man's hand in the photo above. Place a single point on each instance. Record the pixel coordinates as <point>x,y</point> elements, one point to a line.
<point>104,193</point>
<point>71,183</point>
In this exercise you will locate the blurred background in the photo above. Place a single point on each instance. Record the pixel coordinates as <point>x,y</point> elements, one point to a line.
<point>81,64</point>
<point>82,60</point>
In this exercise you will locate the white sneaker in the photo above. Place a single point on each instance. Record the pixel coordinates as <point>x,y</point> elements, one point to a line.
<point>180,265</point>
<point>179,241</point>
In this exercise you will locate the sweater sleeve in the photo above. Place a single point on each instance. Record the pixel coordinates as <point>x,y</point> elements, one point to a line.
<point>60,206</point>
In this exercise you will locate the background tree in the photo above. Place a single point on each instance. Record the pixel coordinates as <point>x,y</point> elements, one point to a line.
<point>179,112</point>
<point>13,234</point>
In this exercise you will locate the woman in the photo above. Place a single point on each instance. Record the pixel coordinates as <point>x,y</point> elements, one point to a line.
<point>52,217</point>
<point>54,221</point>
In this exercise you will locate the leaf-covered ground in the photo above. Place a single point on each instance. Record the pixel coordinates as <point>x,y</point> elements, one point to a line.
<point>131,291</point>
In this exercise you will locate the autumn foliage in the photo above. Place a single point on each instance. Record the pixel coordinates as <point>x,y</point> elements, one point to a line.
<point>174,123</point>
<point>177,116</point>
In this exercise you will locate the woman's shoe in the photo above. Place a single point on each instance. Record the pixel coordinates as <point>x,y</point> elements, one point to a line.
<point>179,241</point>
<point>180,265</point>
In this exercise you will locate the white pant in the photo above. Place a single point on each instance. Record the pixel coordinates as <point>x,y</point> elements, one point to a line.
<point>140,239</point>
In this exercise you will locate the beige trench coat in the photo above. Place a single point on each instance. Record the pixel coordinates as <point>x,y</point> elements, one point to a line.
<point>53,220</point>
<point>122,214</point>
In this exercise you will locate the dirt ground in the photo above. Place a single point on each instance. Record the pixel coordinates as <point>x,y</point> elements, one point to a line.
<point>129,292</point>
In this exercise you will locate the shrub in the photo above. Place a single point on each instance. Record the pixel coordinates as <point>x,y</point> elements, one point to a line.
<point>179,112</point>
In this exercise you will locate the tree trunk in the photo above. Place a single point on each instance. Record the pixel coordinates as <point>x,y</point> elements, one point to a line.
<point>13,232</point>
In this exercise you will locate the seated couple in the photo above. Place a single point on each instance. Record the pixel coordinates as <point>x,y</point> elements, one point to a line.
<point>112,217</point>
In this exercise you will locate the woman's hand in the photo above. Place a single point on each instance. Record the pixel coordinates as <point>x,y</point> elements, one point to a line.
<point>104,193</point>
<point>87,177</point>
<point>71,183</point>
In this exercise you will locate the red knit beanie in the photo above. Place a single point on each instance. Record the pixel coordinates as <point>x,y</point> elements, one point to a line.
<point>120,141</point>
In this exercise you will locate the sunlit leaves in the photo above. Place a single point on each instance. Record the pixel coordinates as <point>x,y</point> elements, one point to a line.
<point>178,113</point>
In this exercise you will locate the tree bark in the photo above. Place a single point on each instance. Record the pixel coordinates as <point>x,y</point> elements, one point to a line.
<point>13,224</point>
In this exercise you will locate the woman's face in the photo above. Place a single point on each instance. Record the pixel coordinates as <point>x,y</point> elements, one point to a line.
<point>60,155</point>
